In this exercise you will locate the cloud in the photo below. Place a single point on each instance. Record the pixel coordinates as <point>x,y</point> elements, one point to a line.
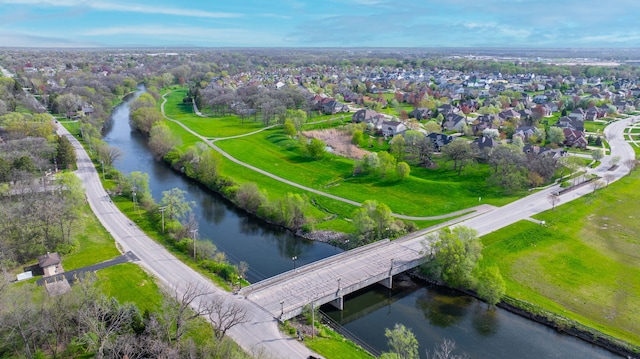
<point>192,34</point>
<point>121,7</point>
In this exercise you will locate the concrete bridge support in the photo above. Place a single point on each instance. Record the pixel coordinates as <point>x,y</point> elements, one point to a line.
<point>338,303</point>
<point>387,282</point>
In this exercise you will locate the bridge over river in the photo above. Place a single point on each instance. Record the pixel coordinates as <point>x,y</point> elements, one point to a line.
<point>329,280</point>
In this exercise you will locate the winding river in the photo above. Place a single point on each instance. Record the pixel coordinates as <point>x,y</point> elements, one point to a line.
<point>432,313</point>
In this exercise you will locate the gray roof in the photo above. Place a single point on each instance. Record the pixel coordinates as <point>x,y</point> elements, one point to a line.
<point>49,259</point>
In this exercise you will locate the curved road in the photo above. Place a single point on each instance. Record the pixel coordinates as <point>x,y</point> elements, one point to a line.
<point>469,211</point>
<point>260,334</point>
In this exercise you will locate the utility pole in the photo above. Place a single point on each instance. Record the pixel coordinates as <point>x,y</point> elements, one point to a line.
<point>162,209</point>
<point>194,231</point>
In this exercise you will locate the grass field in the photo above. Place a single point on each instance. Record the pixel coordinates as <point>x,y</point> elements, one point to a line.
<point>584,264</point>
<point>93,243</point>
<point>127,282</point>
<point>216,126</point>
<point>427,192</point>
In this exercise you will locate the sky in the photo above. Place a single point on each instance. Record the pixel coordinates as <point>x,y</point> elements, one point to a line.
<point>326,23</point>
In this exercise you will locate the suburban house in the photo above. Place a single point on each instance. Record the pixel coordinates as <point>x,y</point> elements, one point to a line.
<point>390,129</point>
<point>509,113</point>
<point>331,107</point>
<point>447,109</point>
<point>484,142</point>
<point>51,264</point>
<point>421,113</point>
<point>525,132</point>
<point>574,138</point>
<point>453,122</point>
<point>485,121</point>
<point>569,122</point>
<point>577,114</point>
<point>366,115</point>
<point>439,140</point>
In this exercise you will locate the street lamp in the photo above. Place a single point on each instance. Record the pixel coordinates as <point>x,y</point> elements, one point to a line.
<point>193,232</point>
<point>339,283</point>
<point>281,308</point>
<point>294,261</point>
<point>162,209</point>
<point>133,195</point>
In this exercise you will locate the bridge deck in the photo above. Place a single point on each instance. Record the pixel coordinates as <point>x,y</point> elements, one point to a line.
<point>324,281</point>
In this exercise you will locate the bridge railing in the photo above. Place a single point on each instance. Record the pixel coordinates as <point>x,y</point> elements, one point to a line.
<point>308,267</point>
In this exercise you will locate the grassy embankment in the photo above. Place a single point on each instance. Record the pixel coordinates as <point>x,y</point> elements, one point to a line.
<point>583,265</point>
<point>425,193</point>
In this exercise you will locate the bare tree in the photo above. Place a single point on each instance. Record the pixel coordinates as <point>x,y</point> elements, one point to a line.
<point>225,314</point>
<point>184,305</point>
<point>445,351</point>
<point>553,199</point>
<point>608,177</point>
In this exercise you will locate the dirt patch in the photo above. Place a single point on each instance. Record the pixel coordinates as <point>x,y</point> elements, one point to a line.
<point>339,141</point>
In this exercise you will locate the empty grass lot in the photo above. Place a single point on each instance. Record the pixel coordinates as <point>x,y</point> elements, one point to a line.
<point>584,264</point>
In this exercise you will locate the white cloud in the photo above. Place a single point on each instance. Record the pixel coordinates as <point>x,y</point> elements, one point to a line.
<point>121,7</point>
<point>188,34</point>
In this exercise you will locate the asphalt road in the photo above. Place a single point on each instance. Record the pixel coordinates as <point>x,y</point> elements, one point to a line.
<point>259,335</point>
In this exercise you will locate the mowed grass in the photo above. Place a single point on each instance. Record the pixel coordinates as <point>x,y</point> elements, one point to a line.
<point>584,264</point>
<point>128,283</point>
<point>427,192</point>
<point>215,126</point>
<point>93,243</point>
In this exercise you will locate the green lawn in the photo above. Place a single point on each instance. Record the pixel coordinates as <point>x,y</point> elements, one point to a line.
<point>93,243</point>
<point>427,192</point>
<point>216,126</point>
<point>590,126</point>
<point>584,264</point>
<point>127,282</point>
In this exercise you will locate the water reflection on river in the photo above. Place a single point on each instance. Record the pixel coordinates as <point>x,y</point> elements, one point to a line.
<point>431,313</point>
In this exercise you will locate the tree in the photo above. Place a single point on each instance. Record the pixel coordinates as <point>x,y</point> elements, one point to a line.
<point>374,221</point>
<point>397,147</point>
<point>445,351</point>
<point>316,148</point>
<point>491,286</point>
<point>249,197</point>
<point>145,118</point>
<point>403,170</point>
<point>460,152</point>
<point>161,140</point>
<point>614,161</point>
<point>68,103</point>
<point>289,128</point>
<point>65,154</point>
<point>402,342</point>
<point>225,314</point>
<point>184,305</point>
<point>456,253</point>
<point>419,148</point>
<point>597,154</point>
<point>608,177</point>
<point>357,137</point>
<point>555,135</point>
<point>176,207</point>
<point>554,199</point>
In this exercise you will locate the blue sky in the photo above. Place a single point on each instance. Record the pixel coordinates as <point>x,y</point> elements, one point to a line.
<point>328,23</point>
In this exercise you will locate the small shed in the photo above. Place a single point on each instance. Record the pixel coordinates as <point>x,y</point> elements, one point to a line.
<point>51,264</point>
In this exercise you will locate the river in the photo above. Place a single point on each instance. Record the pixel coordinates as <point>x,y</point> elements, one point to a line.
<point>432,313</point>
